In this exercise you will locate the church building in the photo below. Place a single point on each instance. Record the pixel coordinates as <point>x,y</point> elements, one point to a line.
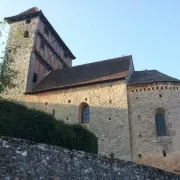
<point>134,114</point>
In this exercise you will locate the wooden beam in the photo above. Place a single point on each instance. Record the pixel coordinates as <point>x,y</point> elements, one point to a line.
<point>51,48</point>
<point>40,58</point>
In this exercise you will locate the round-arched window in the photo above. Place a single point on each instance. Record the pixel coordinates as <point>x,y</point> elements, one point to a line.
<point>160,123</point>
<point>84,113</point>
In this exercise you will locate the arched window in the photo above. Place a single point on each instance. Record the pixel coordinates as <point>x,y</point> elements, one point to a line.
<point>84,113</point>
<point>26,34</point>
<point>160,123</point>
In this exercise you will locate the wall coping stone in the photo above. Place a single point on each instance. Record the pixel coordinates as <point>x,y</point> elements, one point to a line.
<point>21,159</point>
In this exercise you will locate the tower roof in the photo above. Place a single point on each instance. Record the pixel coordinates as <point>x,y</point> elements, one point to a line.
<point>34,12</point>
<point>92,73</point>
<point>150,76</point>
<point>29,11</point>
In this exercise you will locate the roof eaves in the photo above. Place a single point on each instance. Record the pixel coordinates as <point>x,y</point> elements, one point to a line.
<point>21,17</point>
<point>75,85</point>
<point>151,82</point>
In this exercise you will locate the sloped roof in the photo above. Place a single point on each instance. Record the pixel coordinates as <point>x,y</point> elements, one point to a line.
<point>29,11</point>
<point>150,76</point>
<point>102,71</point>
<point>34,12</point>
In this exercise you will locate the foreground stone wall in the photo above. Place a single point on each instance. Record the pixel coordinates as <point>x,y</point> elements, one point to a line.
<point>23,160</point>
<point>143,101</point>
<point>108,113</point>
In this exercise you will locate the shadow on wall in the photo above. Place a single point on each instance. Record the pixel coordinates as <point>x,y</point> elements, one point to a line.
<point>169,163</point>
<point>110,125</point>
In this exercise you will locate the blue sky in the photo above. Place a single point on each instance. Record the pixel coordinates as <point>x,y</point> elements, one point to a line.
<point>95,30</point>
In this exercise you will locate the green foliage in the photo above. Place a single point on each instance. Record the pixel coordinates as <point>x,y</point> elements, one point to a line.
<point>2,29</point>
<point>20,122</point>
<point>7,73</point>
<point>18,34</point>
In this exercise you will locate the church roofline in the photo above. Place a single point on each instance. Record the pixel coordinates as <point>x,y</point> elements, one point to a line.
<point>150,76</point>
<point>87,74</point>
<point>35,12</point>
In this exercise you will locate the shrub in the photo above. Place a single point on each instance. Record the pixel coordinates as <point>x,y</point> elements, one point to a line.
<point>20,122</point>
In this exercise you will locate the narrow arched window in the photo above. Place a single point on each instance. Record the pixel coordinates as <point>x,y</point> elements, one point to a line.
<point>84,113</point>
<point>26,34</point>
<point>160,123</point>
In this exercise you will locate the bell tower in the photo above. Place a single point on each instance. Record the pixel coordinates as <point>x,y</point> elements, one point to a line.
<point>39,50</point>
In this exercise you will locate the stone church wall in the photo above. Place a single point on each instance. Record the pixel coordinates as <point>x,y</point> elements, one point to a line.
<point>143,101</point>
<point>108,113</point>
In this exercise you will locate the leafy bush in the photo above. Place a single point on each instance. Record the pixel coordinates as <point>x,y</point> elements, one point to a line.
<point>20,122</point>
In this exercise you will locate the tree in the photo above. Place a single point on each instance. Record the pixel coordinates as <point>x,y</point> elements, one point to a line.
<point>7,73</point>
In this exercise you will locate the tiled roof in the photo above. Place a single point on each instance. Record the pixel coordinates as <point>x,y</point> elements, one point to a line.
<point>150,76</point>
<point>34,12</point>
<point>102,71</point>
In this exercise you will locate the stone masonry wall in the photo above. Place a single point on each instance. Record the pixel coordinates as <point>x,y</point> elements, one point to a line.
<point>143,101</point>
<point>22,56</point>
<point>108,113</point>
<point>24,160</point>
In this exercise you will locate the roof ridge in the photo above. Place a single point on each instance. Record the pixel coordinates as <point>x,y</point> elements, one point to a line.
<point>147,70</point>
<point>156,71</point>
<point>29,11</point>
<point>86,64</point>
